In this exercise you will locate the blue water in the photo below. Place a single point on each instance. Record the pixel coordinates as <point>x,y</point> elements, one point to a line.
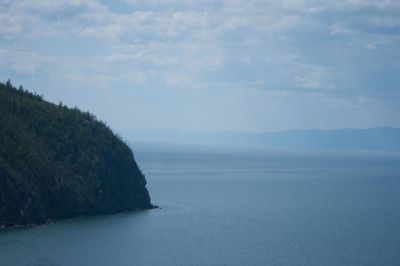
<point>236,208</point>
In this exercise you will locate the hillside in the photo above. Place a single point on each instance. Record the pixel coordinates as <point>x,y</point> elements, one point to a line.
<point>57,162</point>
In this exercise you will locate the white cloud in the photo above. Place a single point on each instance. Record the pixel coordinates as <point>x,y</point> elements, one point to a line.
<point>337,28</point>
<point>9,25</point>
<point>211,48</point>
<point>370,46</point>
<point>358,4</point>
<point>313,78</point>
<point>22,62</point>
<point>111,32</point>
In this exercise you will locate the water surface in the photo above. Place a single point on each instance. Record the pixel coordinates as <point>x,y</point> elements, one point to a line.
<point>236,208</point>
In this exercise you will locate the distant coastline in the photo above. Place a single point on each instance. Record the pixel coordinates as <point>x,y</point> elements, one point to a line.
<point>373,139</point>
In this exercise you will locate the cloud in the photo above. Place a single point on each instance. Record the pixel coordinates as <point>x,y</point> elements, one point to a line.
<point>22,62</point>
<point>370,46</point>
<point>337,28</point>
<point>205,49</point>
<point>309,81</point>
<point>110,32</point>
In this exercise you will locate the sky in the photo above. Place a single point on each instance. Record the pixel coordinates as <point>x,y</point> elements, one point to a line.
<point>202,65</point>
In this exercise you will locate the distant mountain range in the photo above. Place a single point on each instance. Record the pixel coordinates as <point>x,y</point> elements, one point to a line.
<point>384,138</point>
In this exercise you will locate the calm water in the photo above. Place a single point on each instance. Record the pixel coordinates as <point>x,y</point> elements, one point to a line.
<point>236,209</point>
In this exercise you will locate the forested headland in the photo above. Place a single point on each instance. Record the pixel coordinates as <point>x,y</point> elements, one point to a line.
<point>58,162</point>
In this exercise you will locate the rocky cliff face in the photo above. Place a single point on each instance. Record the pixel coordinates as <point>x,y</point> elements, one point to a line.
<point>57,162</point>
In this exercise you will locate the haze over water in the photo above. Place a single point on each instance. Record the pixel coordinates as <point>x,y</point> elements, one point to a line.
<point>236,208</point>
<point>223,72</point>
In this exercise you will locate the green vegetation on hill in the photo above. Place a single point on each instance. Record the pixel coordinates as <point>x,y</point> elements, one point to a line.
<point>58,162</point>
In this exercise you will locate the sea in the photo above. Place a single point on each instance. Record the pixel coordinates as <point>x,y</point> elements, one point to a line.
<point>226,206</point>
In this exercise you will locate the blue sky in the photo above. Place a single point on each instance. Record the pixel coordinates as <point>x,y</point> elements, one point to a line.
<point>206,65</point>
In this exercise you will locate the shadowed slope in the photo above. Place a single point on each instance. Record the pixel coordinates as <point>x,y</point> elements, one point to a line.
<point>59,162</point>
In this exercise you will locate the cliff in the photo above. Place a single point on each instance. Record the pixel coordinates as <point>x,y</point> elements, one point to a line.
<point>57,162</point>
